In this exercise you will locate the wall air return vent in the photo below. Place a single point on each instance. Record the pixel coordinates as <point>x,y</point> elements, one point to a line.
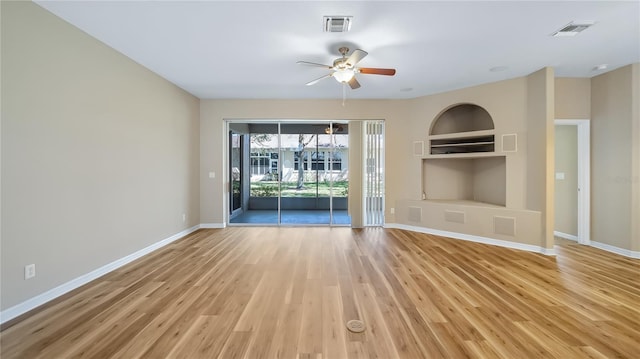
<point>573,28</point>
<point>337,23</point>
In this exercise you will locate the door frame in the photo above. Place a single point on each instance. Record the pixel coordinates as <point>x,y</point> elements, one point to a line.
<point>584,176</point>
<point>235,212</point>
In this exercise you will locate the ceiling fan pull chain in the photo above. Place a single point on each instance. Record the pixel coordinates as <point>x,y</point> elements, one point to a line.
<point>344,93</point>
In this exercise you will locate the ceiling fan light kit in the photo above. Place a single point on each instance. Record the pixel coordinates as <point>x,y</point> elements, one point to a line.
<point>343,75</point>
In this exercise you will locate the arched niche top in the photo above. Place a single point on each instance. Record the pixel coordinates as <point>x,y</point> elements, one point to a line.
<point>463,117</point>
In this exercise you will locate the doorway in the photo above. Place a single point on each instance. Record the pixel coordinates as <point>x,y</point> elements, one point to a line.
<point>572,175</point>
<point>288,173</point>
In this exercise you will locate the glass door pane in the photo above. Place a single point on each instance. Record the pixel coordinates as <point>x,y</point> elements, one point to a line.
<point>338,174</point>
<point>305,193</point>
<point>262,174</point>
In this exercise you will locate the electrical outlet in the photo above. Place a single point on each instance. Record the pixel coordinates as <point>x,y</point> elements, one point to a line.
<point>392,210</point>
<point>29,271</point>
<point>184,217</point>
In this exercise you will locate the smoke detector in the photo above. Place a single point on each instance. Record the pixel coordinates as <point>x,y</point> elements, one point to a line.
<point>336,23</point>
<point>573,28</point>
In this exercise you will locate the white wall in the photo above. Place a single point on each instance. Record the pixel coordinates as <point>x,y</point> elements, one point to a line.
<point>99,155</point>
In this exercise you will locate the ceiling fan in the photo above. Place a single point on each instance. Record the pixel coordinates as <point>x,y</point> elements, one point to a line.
<point>344,68</point>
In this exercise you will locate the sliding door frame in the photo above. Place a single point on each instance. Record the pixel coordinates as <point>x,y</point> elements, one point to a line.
<point>226,165</point>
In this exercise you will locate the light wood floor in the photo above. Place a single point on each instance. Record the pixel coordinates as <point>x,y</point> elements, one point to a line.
<point>288,292</point>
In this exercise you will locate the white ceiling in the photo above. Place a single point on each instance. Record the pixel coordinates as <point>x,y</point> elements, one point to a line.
<point>241,49</point>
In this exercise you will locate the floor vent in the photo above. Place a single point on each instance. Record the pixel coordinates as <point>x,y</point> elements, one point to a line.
<point>356,326</point>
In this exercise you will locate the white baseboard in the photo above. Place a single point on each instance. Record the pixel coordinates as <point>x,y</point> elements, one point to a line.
<point>616,250</point>
<point>570,237</point>
<point>603,246</point>
<point>51,294</point>
<point>213,225</point>
<point>472,238</point>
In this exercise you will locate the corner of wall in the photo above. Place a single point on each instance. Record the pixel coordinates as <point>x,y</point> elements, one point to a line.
<point>635,150</point>
<point>540,149</point>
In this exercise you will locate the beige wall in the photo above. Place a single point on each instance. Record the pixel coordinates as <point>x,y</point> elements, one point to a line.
<point>572,98</point>
<point>566,189</point>
<point>355,202</point>
<point>540,152</point>
<point>615,156</point>
<point>635,150</point>
<point>99,155</point>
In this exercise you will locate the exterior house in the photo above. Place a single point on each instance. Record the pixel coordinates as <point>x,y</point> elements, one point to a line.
<point>325,157</point>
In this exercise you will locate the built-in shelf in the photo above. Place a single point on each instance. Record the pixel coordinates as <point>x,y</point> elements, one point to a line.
<point>462,129</point>
<point>461,163</point>
<point>463,145</point>
<point>464,203</point>
<point>468,155</point>
<point>467,134</point>
<point>480,179</point>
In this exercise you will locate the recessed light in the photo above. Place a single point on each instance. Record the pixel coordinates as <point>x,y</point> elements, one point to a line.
<point>600,67</point>
<point>499,68</point>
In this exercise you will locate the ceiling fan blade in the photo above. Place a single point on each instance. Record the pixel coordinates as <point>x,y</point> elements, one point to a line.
<point>318,80</point>
<point>376,71</point>
<point>353,83</point>
<point>312,64</point>
<point>355,57</point>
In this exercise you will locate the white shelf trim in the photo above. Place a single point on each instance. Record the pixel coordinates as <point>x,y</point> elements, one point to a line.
<point>466,134</point>
<point>453,144</point>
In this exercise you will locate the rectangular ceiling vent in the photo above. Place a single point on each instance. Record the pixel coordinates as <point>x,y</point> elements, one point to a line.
<point>337,23</point>
<point>573,28</point>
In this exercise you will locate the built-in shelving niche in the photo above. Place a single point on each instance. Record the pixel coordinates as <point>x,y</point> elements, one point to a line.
<point>463,128</point>
<point>462,165</point>
<point>473,180</point>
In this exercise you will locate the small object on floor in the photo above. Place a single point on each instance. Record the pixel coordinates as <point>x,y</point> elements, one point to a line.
<point>356,326</point>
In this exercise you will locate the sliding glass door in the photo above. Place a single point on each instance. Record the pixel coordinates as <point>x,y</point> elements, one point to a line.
<point>298,173</point>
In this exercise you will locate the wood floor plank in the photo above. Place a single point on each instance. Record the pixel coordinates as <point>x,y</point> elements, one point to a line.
<point>333,324</point>
<point>269,292</point>
<point>310,340</point>
<point>236,346</point>
<point>377,339</point>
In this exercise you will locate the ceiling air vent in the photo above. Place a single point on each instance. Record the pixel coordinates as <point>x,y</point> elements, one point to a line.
<point>573,28</point>
<point>337,23</point>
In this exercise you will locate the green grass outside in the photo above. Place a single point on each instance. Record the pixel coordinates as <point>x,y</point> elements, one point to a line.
<point>270,189</point>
